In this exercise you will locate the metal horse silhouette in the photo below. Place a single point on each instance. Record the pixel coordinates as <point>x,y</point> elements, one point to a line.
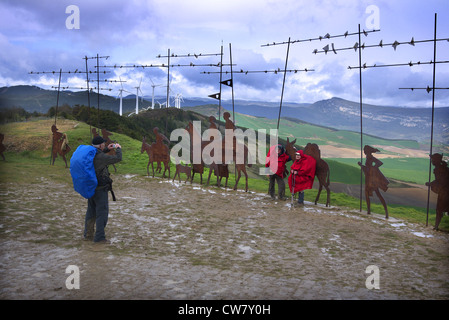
<point>440,186</point>
<point>322,168</point>
<point>374,178</point>
<point>60,145</point>
<point>157,151</point>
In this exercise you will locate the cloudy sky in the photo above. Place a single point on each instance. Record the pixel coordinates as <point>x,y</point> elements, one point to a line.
<point>48,35</point>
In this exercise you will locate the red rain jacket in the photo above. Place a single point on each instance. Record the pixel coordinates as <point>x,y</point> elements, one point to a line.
<point>306,168</point>
<point>282,159</point>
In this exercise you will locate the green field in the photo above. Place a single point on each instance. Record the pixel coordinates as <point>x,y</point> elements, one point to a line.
<point>414,170</point>
<point>306,133</point>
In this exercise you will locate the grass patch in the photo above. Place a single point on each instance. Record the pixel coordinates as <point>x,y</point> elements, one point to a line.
<point>414,170</point>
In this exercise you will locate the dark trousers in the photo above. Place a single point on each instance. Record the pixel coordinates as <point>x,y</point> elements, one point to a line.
<point>281,186</point>
<point>301,197</point>
<point>97,215</point>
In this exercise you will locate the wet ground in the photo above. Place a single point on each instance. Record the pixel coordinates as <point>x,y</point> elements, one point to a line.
<point>173,240</point>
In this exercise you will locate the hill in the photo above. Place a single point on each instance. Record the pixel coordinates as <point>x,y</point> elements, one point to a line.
<point>32,98</point>
<point>382,121</point>
<point>390,122</point>
<point>330,140</point>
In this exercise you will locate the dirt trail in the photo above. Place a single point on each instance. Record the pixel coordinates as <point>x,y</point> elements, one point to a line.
<point>178,241</point>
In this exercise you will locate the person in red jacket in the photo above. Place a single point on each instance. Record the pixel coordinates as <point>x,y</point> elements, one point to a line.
<point>276,160</point>
<point>302,174</point>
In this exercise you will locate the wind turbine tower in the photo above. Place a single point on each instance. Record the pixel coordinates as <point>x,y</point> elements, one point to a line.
<point>137,96</point>
<point>153,85</point>
<point>178,99</point>
<point>121,97</point>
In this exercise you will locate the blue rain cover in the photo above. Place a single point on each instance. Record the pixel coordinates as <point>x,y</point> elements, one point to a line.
<point>83,172</point>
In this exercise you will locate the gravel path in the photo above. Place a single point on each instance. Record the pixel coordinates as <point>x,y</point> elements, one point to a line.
<point>176,241</point>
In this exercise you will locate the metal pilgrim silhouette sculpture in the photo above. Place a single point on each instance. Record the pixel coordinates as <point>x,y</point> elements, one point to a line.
<point>157,152</point>
<point>374,178</point>
<point>60,145</point>
<point>440,186</point>
<point>220,170</point>
<point>194,137</point>
<point>236,158</point>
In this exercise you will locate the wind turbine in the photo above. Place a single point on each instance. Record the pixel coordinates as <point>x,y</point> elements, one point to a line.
<point>178,99</point>
<point>137,96</point>
<point>121,97</point>
<point>161,104</point>
<point>153,85</point>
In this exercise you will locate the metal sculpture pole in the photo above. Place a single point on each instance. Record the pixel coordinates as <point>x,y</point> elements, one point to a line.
<point>361,118</point>
<point>283,85</point>
<point>88,98</point>
<point>57,98</point>
<point>232,84</point>
<point>56,111</point>
<point>98,93</point>
<point>433,114</point>
<point>221,79</point>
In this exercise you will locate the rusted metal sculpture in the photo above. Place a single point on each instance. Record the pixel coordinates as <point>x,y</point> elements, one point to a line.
<point>221,171</point>
<point>194,137</point>
<point>440,186</point>
<point>105,133</point>
<point>322,171</point>
<point>2,146</point>
<point>240,167</point>
<point>374,178</point>
<point>157,152</point>
<point>183,169</point>
<point>94,133</point>
<point>60,145</point>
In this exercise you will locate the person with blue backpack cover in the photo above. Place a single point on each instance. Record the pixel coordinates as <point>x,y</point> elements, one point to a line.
<point>91,178</point>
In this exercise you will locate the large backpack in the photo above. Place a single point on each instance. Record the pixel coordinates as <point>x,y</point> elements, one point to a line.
<point>82,170</point>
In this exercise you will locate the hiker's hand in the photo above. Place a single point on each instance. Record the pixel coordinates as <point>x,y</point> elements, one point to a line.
<point>113,146</point>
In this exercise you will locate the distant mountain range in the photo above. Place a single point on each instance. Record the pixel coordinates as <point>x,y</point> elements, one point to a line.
<point>383,121</point>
